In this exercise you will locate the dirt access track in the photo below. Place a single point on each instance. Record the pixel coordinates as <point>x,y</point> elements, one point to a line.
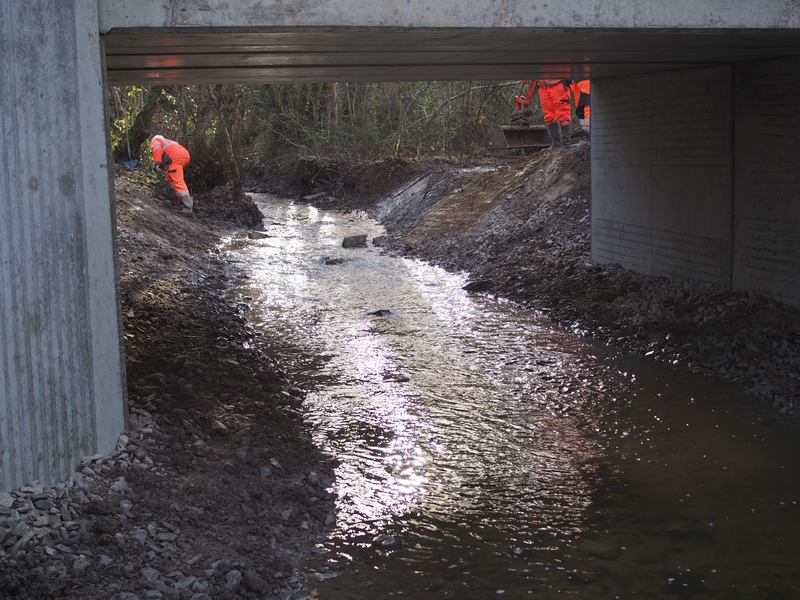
<point>217,491</point>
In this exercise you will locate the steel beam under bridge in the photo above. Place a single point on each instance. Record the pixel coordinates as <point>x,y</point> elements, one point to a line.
<point>251,41</point>
<point>694,159</point>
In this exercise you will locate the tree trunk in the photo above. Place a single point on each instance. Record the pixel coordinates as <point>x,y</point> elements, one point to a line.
<point>139,132</point>
<point>335,102</point>
<point>226,95</point>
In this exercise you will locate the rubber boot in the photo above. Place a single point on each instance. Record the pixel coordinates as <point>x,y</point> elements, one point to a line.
<point>566,135</point>
<point>188,205</point>
<point>585,129</point>
<point>554,129</point>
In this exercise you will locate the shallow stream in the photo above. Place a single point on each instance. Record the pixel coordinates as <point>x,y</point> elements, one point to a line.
<point>484,452</point>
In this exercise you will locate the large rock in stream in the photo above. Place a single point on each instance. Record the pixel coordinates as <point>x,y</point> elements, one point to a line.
<point>355,241</point>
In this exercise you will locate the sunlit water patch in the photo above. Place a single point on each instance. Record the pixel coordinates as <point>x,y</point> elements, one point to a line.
<point>484,452</point>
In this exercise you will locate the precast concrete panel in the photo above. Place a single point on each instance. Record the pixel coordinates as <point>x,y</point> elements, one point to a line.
<point>692,179</point>
<point>622,172</point>
<point>60,362</point>
<point>662,175</point>
<point>767,198</point>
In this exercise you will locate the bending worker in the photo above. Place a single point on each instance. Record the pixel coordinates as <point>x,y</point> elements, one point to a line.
<point>556,108</point>
<point>173,157</point>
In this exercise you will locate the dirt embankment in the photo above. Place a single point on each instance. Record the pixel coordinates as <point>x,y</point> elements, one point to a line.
<point>217,490</point>
<point>522,231</point>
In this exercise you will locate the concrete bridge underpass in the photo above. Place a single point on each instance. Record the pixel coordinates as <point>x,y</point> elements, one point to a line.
<point>695,161</point>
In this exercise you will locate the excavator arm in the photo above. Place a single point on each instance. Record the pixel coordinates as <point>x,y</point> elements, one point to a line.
<point>521,114</point>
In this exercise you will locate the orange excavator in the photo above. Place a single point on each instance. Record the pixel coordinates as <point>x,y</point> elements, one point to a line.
<point>521,133</point>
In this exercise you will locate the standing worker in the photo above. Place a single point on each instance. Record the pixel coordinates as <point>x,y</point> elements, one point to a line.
<point>556,108</point>
<point>582,99</point>
<point>173,157</point>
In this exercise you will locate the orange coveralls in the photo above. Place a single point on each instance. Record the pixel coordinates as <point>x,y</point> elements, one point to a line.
<point>582,98</point>
<point>174,157</point>
<point>554,98</point>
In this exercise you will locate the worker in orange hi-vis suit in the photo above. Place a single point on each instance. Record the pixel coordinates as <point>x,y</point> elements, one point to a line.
<point>556,108</point>
<point>173,157</point>
<point>582,97</point>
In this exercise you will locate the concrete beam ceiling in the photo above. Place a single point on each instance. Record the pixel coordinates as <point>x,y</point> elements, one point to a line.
<point>167,56</point>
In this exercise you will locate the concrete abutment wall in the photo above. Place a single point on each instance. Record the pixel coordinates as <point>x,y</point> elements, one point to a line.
<point>61,366</point>
<point>695,175</point>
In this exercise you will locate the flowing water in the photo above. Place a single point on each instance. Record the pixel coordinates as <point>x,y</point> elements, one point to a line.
<point>484,452</point>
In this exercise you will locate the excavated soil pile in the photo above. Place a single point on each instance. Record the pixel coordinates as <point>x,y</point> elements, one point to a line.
<point>522,231</point>
<point>216,491</point>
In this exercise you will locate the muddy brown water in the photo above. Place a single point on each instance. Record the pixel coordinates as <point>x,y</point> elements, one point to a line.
<point>484,452</point>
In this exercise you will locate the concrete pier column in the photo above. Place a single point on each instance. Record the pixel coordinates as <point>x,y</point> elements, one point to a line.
<point>767,178</point>
<point>696,174</point>
<point>61,362</point>
<point>662,174</point>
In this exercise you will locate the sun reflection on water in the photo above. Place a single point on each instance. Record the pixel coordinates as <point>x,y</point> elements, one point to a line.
<point>481,448</point>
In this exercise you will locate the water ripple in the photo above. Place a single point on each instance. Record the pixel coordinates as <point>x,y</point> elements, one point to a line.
<point>482,448</point>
